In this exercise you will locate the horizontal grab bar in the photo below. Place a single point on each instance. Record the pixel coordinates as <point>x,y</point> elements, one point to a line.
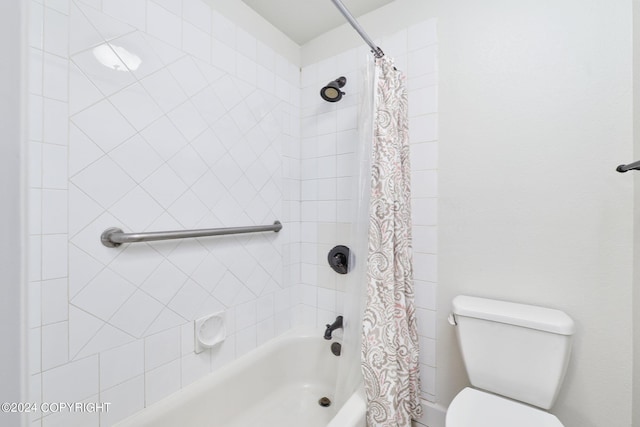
<point>114,237</point>
<point>629,167</point>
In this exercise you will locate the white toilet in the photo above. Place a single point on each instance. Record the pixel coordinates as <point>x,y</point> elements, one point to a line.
<point>516,356</point>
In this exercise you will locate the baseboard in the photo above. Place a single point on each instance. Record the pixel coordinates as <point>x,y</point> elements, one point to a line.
<point>433,415</point>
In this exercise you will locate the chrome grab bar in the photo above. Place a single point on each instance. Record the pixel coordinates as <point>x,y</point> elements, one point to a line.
<point>114,237</point>
<point>629,167</point>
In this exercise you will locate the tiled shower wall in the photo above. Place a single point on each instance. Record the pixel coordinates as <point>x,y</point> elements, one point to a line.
<point>183,120</point>
<point>329,166</point>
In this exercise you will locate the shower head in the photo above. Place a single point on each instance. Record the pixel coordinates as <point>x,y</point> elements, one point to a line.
<point>331,92</point>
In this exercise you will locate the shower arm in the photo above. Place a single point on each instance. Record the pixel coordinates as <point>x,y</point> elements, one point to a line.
<point>629,167</point>
<point>377,52</point>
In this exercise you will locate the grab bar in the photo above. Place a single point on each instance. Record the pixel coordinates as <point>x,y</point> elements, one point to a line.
<point>114,237</point>
<point>629,167</point>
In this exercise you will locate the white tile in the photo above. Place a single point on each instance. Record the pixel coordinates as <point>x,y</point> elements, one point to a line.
<point>423,101</point>
<point>163,137</point>
<point>195,366</point>
<point>209,273</point>
<point>424,156</point>
<point>423,128</point>
<point>164,25</point>
<point>137,210</point>
<point>136,158</point>
<point>425,295</point>
<point>166,320</point>
<point>82,327</point>
<point>54,256</point>
<point>167,53</point>
<point>36,24</point>
<point>425,267</point>
<point>188,300</point>
<point>164,282</point>
<point>425,239</point>
<point>54,166</point>
<point>82,210</point>
<point>227,289</point>
<point>104,125</point>
<point>82,93</point>
<point>188,120</point>
<point>161,348</point>
<point>106,338</point>
<point>137,54</point>
<point>164,186</point>
<point>55,77</point>
<point>228,92</point>
<point>247,70</point>
<point>35,113</point>
<point>198,13</point>
<point>265,307</point>
<point>172,6</point>
<point>104,182</point>
<point>209,190</point>
<point>422,34</point>
<point>162,381</point>
<point>265,330</point>
<point>55,121</point>
<point>85,239</point>
<point>209,106</point>
<point>55,344</point>
<point>135,316</point>
<point>54,208</point>
<point>104,294</point>
<point>71,382</point>
<point>188,210</point>
<point>136,262</point>
<point>246,340</point>
<point>54,301</point>
<point>126,399</point>
<point>196,42</point>
<point>82,35</point>
<point>188,75</point>
<point>164,89</point>
<point>223,29</point>
<point>34,155</point>
<point>424,184</point>
<point>132,12</point>
<point>424,211</point>
<point>82,268</point>
<point>136,106</point>
<point>188,255</point>
<point>121,364</point>
<point>426,320</point>
<point>108,27</point>
<point>108,78</point>
<point>246,315</point>
<point>422,61</point>
<point>56,32</point>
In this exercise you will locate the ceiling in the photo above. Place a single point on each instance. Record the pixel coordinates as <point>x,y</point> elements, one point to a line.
<point>304,20</point>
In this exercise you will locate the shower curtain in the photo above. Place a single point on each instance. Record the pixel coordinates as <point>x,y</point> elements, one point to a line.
<point>389,332</point>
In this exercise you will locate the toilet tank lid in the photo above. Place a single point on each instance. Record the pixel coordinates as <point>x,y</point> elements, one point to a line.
<point>527,316</point>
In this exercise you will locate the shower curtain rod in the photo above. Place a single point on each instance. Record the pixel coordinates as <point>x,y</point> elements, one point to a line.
<point>377,52</point>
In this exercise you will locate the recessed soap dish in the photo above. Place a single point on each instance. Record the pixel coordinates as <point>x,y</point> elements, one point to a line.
<point>209,331</point>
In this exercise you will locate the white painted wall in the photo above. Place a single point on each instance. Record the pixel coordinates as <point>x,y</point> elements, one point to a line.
<point>12,384</point>
<point>536,109</point>
<point>534,114</point>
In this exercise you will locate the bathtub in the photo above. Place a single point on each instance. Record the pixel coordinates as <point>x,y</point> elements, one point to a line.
<point>276,384</point>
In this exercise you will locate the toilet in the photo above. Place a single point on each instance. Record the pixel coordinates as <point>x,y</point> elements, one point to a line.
<point>516,356</point>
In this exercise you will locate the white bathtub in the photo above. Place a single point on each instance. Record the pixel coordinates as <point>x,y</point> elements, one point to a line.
<point>277,384</point>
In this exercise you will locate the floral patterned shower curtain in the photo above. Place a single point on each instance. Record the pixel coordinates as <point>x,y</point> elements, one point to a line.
<point>390,339</point>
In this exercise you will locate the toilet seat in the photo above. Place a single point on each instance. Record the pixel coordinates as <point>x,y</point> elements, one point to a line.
<point>475,408</point>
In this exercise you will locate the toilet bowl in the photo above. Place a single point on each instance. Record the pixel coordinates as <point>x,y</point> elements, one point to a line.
<point>475,408</point>
<point>516,356</point>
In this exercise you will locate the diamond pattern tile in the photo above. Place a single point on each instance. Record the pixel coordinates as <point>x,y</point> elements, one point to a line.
<point>162,140</point>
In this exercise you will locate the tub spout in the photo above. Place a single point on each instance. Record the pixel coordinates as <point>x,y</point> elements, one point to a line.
<point>330,328</point>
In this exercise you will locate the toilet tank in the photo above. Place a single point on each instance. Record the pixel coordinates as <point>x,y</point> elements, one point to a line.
<point>515,350</point>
